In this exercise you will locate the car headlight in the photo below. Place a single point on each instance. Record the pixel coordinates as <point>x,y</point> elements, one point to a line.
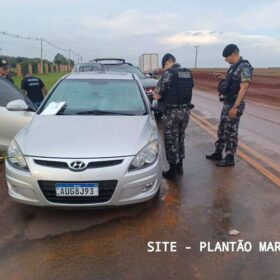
<point>146,157</point>
<point>15,157</point>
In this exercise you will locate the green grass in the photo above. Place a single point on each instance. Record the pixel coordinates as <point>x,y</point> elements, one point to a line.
<point>2,155</point>
<point>48,79</point>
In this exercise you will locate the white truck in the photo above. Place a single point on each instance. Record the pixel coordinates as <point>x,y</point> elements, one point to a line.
<point>148,62</point>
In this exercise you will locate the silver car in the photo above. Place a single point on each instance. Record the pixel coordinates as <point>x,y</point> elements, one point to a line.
<point>93,142</point>
<point>12,121</point>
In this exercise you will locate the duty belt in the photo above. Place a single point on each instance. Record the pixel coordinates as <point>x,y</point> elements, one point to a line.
<point>175,106</point>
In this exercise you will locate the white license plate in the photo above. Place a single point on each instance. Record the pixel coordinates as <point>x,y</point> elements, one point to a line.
<point>76,189</point>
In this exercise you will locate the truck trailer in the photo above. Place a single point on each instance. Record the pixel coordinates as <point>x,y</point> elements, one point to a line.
<point>148,62</point>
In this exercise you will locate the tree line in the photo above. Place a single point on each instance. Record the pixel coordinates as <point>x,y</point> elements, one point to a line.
<point>58,59</point>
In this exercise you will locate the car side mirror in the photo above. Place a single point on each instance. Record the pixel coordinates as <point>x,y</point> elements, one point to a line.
<point>154,105</point>
<point>17,105</point>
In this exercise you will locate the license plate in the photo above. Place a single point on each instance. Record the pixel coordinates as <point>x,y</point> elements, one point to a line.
<point>77,189</point>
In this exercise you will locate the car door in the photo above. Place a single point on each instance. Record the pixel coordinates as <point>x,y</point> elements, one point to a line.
<point>11,122</point>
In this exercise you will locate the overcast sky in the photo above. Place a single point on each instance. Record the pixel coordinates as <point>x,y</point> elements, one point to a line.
<point>128,28</point>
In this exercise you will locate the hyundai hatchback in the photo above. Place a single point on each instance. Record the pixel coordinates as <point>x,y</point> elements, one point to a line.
<point>93,142</point>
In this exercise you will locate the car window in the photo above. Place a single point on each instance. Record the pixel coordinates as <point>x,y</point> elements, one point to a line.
<point>125,68</point>
<point>119,96</point>
<point>87,68</point>
<point>8,93</point>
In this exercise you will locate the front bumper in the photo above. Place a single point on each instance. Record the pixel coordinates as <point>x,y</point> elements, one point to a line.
<point>131,187</point>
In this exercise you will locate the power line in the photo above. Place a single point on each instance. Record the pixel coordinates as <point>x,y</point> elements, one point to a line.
<point>19,36</point>
<point>41,40</point>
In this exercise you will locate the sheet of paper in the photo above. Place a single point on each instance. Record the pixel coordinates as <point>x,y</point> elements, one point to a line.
<point>53,108</point>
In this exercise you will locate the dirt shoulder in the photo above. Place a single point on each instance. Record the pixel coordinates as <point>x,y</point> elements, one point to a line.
<point>264,88</point>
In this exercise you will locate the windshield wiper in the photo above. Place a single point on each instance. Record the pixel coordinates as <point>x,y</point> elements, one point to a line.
<point>101,112</point>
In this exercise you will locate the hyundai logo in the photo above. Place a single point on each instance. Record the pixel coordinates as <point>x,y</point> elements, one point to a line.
<point>77,165</point>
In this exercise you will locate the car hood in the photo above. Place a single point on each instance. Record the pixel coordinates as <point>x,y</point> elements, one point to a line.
<point>149,82</point>
<point>86,136</point>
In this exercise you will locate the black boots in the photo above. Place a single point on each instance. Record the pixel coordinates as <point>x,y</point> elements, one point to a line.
<point>217,155</point>
<point>227,161</point>
<point>171,173</point>
<point>173,170</point>
<point>179,167</point>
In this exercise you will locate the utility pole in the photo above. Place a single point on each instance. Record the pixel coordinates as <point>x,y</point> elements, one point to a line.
<point>196,54</point>
<point>41,56</point>
<point>69,60</point>
<point>1,51</point>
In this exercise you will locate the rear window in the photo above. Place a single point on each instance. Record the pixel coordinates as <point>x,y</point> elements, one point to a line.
<point>125,68</point>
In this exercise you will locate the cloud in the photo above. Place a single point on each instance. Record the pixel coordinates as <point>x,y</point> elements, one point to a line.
<point>129,28</point>
<point>265,17</point>
<point>207,37</point>
<point>191,38</point>
<point>269,44</point>
<point>130,23</point>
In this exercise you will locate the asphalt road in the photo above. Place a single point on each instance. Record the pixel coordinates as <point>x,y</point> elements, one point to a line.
<point>203,205</point>
<point>259,126</point>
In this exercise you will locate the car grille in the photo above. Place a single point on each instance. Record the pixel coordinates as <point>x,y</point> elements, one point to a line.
<point>98,164</point>
<point>94,164</point>
<point>56,164</point>
<point>106,190</point>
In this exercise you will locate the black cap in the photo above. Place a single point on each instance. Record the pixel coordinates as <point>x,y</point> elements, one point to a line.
<point>4,62</point>
<point>230,49</point>
<point>167,57</point>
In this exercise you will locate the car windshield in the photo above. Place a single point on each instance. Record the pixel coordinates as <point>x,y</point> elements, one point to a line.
<point>98,97</point>
<point>125,68</point>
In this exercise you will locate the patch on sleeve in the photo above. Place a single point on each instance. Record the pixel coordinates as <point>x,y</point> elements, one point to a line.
<point>246,73</point>
<point>245,80</point>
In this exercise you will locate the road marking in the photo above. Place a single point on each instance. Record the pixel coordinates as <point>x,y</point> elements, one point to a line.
<point>273,178</point>
<point>248,149</point>
<point>264,105</point>
<point>213,94</point>
<point>262,118</point>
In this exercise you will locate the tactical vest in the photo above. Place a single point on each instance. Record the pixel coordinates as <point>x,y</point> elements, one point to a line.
<point>181,85</point>
<point>233,83</point>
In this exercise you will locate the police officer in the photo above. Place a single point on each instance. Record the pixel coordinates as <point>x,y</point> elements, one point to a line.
<point>232,90</point>
<point>175,91</point>
<point>4,69</point>
<point>34,88</point>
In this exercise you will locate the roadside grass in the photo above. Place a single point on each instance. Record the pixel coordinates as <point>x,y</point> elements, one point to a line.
<point>2,155</point>
<point>48,79</point>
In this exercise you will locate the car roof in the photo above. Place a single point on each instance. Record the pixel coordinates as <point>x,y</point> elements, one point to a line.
<point>102,75</point>
<point>100,65</point>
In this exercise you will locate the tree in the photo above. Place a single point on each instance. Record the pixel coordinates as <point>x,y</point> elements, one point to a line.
<point>60,59</point>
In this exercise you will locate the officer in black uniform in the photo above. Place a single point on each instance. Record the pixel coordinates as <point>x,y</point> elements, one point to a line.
<point>4,69</point>
<point>232,90</point>
<point>34,88</point>
<point>175,91</point>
